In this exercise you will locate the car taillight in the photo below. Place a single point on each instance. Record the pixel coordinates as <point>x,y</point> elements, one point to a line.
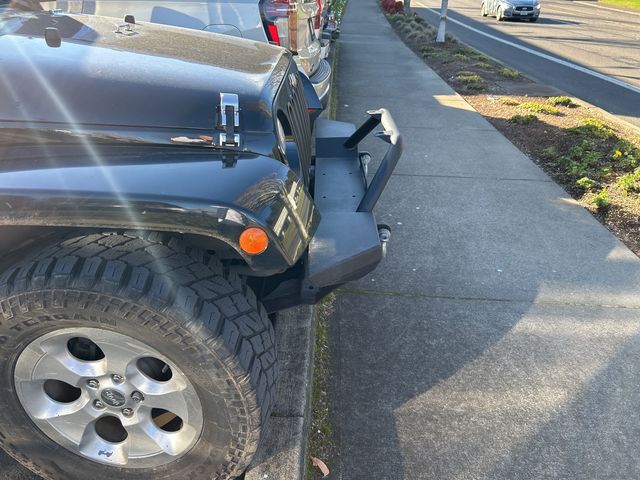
<point>318,20</point>
<point>280,19</point>
<point>274,36</point>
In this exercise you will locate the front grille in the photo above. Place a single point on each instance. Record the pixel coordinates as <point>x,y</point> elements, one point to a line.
<point>299,119</point>
<point>525,9</point>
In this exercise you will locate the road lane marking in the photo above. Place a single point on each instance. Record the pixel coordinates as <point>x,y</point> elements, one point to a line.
<point>551,58</point>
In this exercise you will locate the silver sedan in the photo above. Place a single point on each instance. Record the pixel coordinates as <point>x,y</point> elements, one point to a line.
<point>502,9</point>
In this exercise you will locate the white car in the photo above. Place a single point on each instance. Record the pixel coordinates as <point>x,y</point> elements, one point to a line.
<point>291,24</point>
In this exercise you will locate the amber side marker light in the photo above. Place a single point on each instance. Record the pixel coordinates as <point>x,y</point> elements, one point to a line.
<point>254,241</point>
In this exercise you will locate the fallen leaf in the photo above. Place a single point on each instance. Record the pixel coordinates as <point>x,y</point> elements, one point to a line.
<point>320,465</point>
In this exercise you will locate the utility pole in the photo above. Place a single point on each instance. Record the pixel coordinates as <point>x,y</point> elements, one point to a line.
<point>407,7</point>
<point>442,27</point>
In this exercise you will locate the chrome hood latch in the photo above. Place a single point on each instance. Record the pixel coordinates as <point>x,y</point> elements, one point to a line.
<point>229,120</point>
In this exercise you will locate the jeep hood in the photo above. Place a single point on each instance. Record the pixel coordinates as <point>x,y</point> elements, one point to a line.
<point>143,77</point>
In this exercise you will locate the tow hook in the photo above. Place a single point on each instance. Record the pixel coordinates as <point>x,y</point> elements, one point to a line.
<point>384,233</point>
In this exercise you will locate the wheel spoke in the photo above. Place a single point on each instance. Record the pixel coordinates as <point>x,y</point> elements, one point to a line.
<point>58,364</point>
<point>140,441</point>
<point>74,425</point>
<point>174,402</point>
<point>149,386</point>
<point>95,447</point>
<point>42,407</point>
<point>118,357</point>
<point>172,443</point>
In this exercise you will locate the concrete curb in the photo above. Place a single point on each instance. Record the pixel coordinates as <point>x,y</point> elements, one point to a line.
<point>282,452</point>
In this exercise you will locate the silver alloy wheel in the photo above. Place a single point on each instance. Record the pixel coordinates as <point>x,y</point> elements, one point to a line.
<point>108,397</point>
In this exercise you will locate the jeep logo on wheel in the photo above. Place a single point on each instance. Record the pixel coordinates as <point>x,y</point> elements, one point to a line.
<point>113,398</point>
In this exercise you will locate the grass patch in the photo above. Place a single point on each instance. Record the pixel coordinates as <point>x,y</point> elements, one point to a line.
<point>560,101</point>
<point>509,73</point>
<point>523,119</point>
<point>468,77</point>
<point>508,101</point>
<point>333,99</point>
<point>630,4</point>
<point>320,430</point>
<point>539,107</point>
<point>484,65</point>
<point>470,80</point>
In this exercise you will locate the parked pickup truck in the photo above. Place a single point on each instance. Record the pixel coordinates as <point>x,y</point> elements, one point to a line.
<point>158,198</point>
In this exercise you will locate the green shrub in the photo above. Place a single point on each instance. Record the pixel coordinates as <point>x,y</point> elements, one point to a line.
<point>593,128</point>
<point>472,81</point>
<point>601,200</point>
<point>560,101</point>
<point>468,77</point>
<point>586,183</point>
<point>630,182</point>
<point>626,155</point>
<point>523,119</point>
<point>576,152</point>
<point>509,73</point>
<point>577,169</point>
<point>508,101</point>
<point>484,65</point>
<point>539,107</point>
<point>592,158</point>
<point>549,151</point>
<point>604,171</point>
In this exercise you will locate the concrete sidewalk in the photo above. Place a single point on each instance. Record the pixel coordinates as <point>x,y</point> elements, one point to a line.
<point>500,337</point>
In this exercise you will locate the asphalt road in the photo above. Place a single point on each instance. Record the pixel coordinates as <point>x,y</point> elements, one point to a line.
<point>588,51</point>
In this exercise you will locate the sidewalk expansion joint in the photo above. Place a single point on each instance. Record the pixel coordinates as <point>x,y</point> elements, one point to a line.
<point>559,303</point>
<point>473,177</point>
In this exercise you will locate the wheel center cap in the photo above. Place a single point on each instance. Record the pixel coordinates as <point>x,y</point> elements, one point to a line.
<point>113,398</point>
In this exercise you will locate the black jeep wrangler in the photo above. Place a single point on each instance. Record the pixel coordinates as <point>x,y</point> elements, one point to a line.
<point>158,198</point>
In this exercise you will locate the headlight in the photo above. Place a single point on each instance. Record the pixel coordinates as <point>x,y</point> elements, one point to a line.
<point>537,6</point>
<point>508,5</point>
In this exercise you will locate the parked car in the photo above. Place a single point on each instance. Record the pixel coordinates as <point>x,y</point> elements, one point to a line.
<point>503,9</point>
<point>289,23</point>
<point>158,198</point>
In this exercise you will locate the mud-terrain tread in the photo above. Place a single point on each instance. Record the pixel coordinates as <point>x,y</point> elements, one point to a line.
<point>165,273</point>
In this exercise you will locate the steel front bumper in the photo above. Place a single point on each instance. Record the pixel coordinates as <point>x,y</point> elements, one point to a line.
<point>348,243</point>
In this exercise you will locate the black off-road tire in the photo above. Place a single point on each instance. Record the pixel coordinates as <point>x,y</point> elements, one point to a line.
<point>173,297</point>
